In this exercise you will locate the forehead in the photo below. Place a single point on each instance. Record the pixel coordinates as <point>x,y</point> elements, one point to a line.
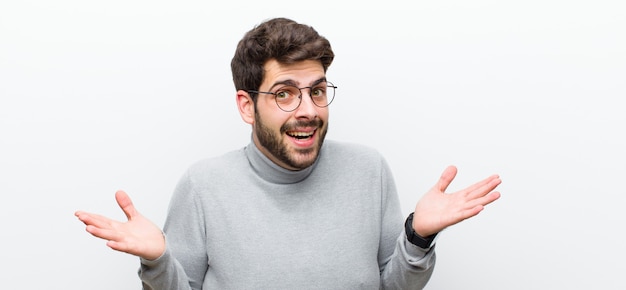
<point>300,73</point>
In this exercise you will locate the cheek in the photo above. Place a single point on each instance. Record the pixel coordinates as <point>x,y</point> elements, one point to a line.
<point>323,114</point>
<point>272,120</point>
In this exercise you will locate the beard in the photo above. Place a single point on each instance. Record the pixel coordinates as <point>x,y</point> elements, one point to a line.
<point>296,158</point>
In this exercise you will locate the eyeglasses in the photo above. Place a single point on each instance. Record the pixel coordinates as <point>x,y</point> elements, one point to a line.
<point>288,98</point>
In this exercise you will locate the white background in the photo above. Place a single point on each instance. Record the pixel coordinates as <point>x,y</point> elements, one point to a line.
<point>98,96</point>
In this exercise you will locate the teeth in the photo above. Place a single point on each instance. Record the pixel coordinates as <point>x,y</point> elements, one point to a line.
<point>300,134</point>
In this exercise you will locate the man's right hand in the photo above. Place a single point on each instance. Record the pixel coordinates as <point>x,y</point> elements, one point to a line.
<point>138,236</point>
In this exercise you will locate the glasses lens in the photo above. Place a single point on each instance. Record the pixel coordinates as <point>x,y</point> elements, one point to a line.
<point>288,98</point>
<point>323,94</point>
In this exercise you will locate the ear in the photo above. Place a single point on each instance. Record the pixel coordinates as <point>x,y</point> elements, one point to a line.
<point>245,104</point>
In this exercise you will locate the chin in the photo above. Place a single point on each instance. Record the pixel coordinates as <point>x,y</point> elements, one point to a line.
<point>301,159</point>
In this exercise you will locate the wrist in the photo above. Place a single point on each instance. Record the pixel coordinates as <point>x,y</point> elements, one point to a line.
<point>414,238</point>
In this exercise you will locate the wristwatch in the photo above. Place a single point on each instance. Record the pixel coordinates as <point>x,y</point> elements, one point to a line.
<point>414,238</point>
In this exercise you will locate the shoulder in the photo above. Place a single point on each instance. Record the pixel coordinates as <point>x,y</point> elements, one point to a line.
<point>348,148</point>
<point>351,153</point>
<point>221,164</point>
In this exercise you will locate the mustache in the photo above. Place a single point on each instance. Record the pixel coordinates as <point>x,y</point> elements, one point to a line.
<point>301,123</point>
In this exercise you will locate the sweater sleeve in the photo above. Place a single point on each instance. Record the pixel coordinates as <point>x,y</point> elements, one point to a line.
<point>402,264</point>
<point>185,261</point>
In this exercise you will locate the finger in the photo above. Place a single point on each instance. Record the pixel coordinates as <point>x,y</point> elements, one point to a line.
<point>95,220</point>
<point>489,198</point>
<point>472,212</point>
<point>482,183</point>
<point>125,204</point>
<point>123,246</point>
<point>483,201</point>
<point>118,246</point>
<point>106,234</point>
<point>484,187</point>
<point>446,178</point>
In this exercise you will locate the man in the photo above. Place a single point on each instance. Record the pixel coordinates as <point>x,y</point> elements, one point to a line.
<point>290,210</point>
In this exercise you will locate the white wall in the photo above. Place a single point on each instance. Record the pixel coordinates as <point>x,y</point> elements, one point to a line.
<point>97,96</point>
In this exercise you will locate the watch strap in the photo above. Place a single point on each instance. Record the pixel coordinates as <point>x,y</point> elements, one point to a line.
<point>414,238</point>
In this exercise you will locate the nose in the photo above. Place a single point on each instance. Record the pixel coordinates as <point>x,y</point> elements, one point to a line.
<point>307,108</point>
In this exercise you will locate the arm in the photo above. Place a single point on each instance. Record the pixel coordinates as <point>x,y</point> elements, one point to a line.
<point>402,264</point>
<point>185,262</point>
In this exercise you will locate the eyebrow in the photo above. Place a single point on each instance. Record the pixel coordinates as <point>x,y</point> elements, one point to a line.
<point>291,82</point>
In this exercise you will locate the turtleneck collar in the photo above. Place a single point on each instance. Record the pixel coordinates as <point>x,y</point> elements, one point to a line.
<point>270,171</point>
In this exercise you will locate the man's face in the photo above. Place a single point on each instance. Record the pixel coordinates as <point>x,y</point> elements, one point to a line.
<point>290,139</point>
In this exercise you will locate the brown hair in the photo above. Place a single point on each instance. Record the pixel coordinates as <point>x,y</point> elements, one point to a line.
<point>281,39</point>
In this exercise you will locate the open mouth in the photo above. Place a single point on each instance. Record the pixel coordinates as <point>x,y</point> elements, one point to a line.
<point>301,135</point>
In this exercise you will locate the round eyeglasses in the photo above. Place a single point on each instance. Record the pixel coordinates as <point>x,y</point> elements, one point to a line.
<point>288,97</point>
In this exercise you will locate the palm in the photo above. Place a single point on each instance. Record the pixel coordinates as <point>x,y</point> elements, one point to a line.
<point>438,210</point>
<point>138,236</point>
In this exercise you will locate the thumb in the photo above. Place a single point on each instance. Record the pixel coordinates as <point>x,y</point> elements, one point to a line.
<point>446,178</point>
<point>126,204</point>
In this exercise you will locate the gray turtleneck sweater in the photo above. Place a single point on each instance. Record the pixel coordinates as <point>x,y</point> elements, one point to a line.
<point>239,221</point>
